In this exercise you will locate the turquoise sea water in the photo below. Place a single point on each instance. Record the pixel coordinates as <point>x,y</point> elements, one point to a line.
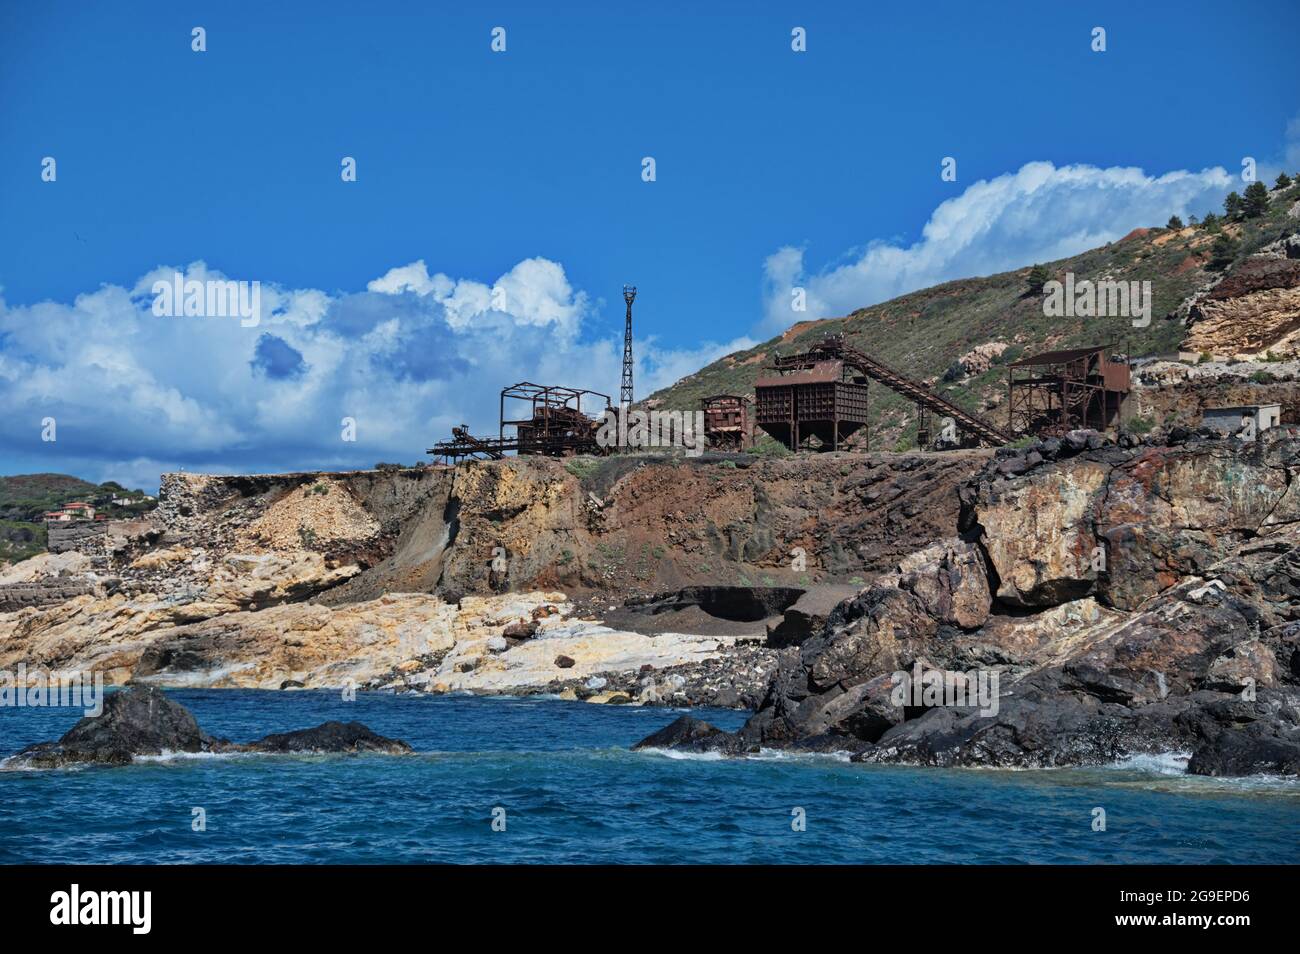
<point>573,792</point>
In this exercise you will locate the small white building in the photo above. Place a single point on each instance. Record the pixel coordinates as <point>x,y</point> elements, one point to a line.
<point>1245,420</point>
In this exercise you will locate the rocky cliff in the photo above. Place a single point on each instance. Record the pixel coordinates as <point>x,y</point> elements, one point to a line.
<point>1120,600</point>
<point>411,578</point>
<point>1127,597</point>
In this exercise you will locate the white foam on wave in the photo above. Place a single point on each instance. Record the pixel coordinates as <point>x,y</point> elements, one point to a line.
<point>1160,763</point>
<point>167,755</point>
<point>686,756</point>
<point>780,755</point>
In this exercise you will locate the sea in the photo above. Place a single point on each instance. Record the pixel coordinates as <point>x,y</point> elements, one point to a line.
<point>541,780</point>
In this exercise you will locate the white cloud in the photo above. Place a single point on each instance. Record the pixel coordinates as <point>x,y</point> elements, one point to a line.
<point>134,395</point>
<point>1040,213</point>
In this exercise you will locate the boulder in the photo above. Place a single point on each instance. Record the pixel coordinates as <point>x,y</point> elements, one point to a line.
<point>142,720</point>
<point>1236,752</point>
<point>135,721</point>
<point>330,737</point>
<point>520,631</point>
<point>690,734</point>
<point>808,614</point>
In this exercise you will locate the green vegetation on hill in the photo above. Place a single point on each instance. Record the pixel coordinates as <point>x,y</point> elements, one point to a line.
<point>922,333</point>
<point>26,498</point>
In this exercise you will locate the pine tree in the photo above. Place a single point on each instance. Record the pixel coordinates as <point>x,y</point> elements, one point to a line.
<point>1210,223</point>
<point>1283,181</point>
<point>1255,202</point>
<point>1038,277</point>
<point>1232,206</point>
<point>1174,223</point>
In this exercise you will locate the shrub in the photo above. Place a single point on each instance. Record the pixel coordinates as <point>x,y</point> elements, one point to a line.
<point>582,467</point>
<point>768,447</point>
<point>1140,424</point>
<point>1222,252</point>
<point>1174,222</point>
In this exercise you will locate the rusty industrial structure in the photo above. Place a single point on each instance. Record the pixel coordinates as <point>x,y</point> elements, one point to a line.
<point>815,399</point>
<point>727,424</point>
<point>1058,391</point>
<point>821,396</point>
<point>812,400</point>
<point>555,425</point>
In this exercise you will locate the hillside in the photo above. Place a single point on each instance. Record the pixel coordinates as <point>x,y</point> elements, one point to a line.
<point>25,498</point>
<point>922,334</point>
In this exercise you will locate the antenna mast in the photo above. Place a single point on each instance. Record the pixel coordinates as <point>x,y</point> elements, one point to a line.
<point>625,395</point>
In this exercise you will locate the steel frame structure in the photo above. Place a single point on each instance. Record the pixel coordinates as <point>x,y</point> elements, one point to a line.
<point>726,422</point>
<point>834,349</point>
<point>1064,390</point>
<point>557,426</point>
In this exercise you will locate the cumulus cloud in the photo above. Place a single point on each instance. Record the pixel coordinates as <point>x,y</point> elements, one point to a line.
<point>1040,213</point>
<point>133,395</point>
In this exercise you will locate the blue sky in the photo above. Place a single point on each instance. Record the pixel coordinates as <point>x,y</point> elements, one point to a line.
<point>522,169</point>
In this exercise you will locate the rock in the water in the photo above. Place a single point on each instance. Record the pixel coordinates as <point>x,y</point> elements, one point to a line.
<point>693,735</point>
<point>142,720</point>
<point>135,721</point>
<point>330,737</point>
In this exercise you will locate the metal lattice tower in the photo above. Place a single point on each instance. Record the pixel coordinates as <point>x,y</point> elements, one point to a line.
<point>625,395</point>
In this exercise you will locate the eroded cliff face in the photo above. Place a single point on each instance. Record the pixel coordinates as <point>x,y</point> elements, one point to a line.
<point>1126,524</point>
<point>1129,599</point>
<point>398,577</point>
<point>622,525</point>
<point>1252,310</point>
<point>643,525</point>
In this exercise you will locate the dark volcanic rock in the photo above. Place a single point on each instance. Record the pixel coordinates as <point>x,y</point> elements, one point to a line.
<point>135,721</point>
<point>808,614</point>
<point>330,737</point>
<point>1129,600</point>
<point>1243,752</point>
<point>142,720</point>
<point>690,734</point>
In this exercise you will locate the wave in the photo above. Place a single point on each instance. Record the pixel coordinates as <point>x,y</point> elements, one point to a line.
<point>685,756</point>
<point>1161,763</point>
<point>169,756</point>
